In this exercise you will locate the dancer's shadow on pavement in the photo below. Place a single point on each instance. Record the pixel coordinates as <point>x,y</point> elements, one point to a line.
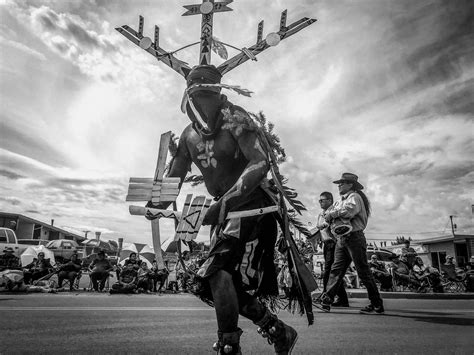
<point>432,317</point>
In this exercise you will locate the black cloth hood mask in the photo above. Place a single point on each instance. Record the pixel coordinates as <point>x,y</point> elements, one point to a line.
<point>204,74</point>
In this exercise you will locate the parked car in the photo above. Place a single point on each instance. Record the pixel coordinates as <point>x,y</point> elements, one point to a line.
<point>8,239</point>
<point>33,241</point>
<point>64,248</point>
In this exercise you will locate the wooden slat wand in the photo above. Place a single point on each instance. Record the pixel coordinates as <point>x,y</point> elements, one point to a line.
<point>158,189</point>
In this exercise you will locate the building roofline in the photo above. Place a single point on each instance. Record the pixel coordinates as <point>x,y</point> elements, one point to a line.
<point>54,228</point>
<point>445,238</point>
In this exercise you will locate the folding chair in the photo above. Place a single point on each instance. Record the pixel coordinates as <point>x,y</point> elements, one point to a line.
<point>107,283</point>
<point>401,282</point>
<point>451,281</point>
<point>75,285</point>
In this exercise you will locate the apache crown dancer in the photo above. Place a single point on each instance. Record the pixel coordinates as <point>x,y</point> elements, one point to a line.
<point>234,167</point>
<point>234,156</point>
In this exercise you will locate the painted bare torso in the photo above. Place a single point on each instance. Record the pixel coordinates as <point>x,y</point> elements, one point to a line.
<point>220,160</point>
<point>232,163</point>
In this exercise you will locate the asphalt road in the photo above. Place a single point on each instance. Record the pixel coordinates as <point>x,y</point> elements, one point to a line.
<point>92,323</point>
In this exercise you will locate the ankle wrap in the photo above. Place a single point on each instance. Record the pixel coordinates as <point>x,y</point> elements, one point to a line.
<point>269,327</point>
<point>267,320</point>
<point>228,343</point>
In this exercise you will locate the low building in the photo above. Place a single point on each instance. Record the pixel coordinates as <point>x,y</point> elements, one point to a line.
<point>460,246</point>
<point>30,228</point>
<point>434,250</point>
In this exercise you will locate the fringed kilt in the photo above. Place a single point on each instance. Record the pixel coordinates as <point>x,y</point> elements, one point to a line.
<point>244,247</point>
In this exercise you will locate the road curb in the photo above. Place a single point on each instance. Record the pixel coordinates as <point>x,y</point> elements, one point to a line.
<point>414,295</point>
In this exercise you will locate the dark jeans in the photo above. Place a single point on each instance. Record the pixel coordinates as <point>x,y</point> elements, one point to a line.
<point>98,279</point>
<point>384,278</point>
<point>121,288</point>
<point>329,247</point>
<point>70,275</point>
<point>144,284</point>
<point>352,247</point>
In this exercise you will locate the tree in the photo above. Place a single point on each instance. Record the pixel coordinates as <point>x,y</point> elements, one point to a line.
<point>401,240</point>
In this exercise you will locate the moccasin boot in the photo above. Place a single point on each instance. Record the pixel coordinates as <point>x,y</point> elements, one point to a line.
<point>282,336</point>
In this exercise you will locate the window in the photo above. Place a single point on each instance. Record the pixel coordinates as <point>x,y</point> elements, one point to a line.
<point>67,245</point>
<point>51,245</point>
<point>53,235</point>
<point>3,236</point>
<point>11,237</point>
<point>37,231</point>
<point>438,259</point>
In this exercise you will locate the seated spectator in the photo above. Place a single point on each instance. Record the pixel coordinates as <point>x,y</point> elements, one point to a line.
<point>158,275</point>
<point>200,260</point>
<point>69,271</point>
<point>402,274</point>
<point>470,265</point>
<point>172,279</point>
<point>449,261</point>
<point>408,254</point>
<point>8,261</point>
<point>99,271</point>
<point>449,270</point>
<point>350,278</point>
<point>133,260</point>
<point>127,282</point>
<point>427,276</point>
<point>144,278</point>
<point>182,273</point>
<point>380,273</point>
<point>38,268</point>
<point>12,281</point>
<point>285,280</point>
<point>470,275</point>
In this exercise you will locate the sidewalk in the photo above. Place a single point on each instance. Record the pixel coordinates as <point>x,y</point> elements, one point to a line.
<point>352,292</point>
<point>362,293</point>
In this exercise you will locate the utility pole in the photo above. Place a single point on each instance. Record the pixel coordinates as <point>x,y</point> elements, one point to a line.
<point>453,225</point>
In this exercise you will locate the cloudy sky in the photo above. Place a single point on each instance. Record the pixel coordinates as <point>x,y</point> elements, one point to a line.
<point>380,88</point>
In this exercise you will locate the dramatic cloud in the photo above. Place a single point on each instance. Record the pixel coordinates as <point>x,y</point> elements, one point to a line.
<point>380,88</point>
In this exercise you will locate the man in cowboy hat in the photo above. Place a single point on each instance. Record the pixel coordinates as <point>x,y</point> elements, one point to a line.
<point>354,206</point>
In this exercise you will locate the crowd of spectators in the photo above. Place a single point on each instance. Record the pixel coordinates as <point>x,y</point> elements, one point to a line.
<point>133,276</point>
<point>403,271</point>
<point>406,270</point>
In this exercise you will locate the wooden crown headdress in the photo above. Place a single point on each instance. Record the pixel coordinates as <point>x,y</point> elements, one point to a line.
<point>208,42</point>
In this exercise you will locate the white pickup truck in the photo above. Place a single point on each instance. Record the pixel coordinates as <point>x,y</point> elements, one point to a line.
<point>8,240</point>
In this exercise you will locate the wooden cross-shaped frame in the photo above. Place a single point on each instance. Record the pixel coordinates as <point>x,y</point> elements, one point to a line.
<point>207,8</point>
<point>157,189</point>
<point>166,189</point>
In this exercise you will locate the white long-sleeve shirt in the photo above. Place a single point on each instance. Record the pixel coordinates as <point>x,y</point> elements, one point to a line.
<point>351,206</point>
<point>323,226</point>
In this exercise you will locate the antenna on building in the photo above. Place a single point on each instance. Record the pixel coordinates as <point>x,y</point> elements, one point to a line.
<point>453,225</point>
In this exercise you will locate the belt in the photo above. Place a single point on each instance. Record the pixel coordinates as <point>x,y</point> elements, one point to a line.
<point>354,234</point>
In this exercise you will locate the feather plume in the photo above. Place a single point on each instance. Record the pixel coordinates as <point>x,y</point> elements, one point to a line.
<point>195,180</point>
<point>219,48</point>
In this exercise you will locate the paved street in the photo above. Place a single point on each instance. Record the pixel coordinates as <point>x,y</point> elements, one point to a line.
<point>181,324</point>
